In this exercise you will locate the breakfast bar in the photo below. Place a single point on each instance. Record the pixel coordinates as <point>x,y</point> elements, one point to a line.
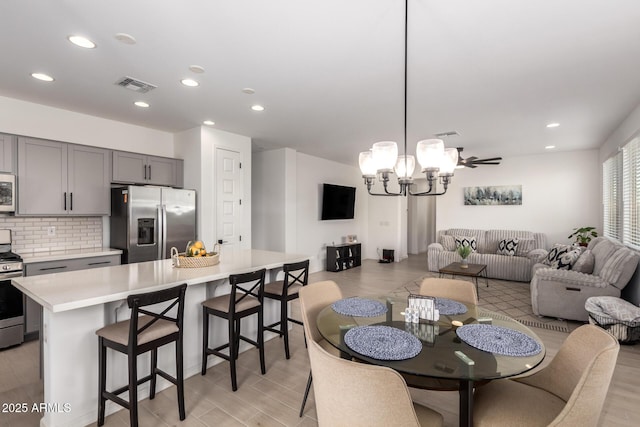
<point>76,304</point>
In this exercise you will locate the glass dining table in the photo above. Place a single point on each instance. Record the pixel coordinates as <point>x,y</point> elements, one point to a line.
<point>443,356</point>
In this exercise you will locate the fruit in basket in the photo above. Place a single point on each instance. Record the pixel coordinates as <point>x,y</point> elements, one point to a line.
<point>195,249</point>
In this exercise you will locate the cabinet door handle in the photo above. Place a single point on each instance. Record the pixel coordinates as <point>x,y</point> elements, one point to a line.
<point>53,268</point>
<point>99,263</point>
<point>65,200</point>
<point>70,201</point>
<point>149,171</point>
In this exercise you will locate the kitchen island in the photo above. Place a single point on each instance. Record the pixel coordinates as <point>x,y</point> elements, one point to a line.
<point>76,304</point>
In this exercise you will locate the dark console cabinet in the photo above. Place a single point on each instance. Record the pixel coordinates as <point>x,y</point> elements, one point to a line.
<point>343,257</point>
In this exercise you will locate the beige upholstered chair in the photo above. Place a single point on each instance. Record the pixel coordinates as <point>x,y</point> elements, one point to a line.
<point>356,394</point>
<point>313,298</point>
<point>459,290</point>
<point>570,391</point>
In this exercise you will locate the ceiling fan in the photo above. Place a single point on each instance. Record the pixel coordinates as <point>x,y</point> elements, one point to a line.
<point>473,161</point>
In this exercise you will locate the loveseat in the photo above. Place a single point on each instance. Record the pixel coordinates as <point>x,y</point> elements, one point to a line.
<point>529,250</point>
<point>606,266</point>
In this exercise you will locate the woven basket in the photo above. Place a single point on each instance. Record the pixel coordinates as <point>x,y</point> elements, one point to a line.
<point>182,261</point>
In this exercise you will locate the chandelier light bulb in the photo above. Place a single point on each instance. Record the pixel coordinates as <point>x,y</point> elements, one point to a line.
<point>385,154</point>
<point>405,166</point>
<point>430,153</point>
<point>449,161</point>
<point>367,165</point>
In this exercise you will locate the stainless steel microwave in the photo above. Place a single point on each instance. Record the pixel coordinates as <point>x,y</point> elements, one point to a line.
<point>7,193</point>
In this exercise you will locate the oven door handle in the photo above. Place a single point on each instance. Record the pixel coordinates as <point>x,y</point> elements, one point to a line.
<point>5,276</point>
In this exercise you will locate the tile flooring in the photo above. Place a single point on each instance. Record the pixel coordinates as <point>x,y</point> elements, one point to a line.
<point>274,399</point>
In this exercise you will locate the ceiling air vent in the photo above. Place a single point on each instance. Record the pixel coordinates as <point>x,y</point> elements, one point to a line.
<point>135,85</point>
<point>445,134</point>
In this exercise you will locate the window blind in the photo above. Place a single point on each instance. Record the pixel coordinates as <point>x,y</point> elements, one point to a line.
<point>612,197</point>
<point>631,193</point>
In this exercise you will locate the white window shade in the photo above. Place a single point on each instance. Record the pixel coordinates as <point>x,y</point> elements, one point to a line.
<point>612,196</point>
<point>631,193</point>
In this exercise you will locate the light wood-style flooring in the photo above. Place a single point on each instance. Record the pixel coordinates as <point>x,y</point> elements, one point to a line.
<point>274,399</point>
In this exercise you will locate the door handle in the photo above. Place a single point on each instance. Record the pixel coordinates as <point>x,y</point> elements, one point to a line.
<point>70,201</point>
<point>149,172</point>
<point>65,200</point>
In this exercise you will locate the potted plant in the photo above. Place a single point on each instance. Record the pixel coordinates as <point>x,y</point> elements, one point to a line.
<point>464,252</point>
<point>583,235</point>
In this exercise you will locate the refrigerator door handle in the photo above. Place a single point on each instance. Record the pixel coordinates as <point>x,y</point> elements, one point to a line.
<point>159,231</point>
<point>164,230</point>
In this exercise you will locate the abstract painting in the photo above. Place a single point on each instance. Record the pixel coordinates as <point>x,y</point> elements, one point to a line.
<point>493,195</point>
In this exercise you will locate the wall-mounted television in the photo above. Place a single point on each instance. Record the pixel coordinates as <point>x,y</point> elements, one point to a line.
<point>338,202</point>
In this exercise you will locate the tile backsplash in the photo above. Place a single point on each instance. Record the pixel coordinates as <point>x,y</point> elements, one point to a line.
<point>31,234</point>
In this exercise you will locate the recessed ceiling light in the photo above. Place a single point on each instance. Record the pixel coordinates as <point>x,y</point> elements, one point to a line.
<point>248,91</point>
<point>196,69</point>
<point>209,123</point>
<point>189,82</point>
<point>553,125</point>
<point>257,107</point>
<point>82,42</point>
<point>125,38</point>
<point>42,76</point>
<point>141,104</point>
<point>549,147</point>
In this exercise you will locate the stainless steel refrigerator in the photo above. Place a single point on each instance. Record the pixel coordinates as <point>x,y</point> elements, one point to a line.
<point>147,221</point>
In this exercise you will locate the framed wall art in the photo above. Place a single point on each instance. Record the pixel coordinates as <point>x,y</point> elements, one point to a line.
<point>493,195</point>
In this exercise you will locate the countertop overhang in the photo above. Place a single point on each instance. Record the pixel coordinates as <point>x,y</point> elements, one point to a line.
<point>72,290</point>
<point>44,256</point>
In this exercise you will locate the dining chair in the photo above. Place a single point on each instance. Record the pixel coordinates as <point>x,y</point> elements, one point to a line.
<point>139,334</point>
<point>313,298</point>
<point>455,289</point>
<point>286,290</point>
<point>570,391</point>
<point>245,299</point>
<point>355,394</point>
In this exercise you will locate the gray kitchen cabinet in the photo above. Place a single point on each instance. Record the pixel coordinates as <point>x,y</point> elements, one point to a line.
<point>56,178</point>
<point>33,310</point>
<point>8,151</point>
<point>135,168</point>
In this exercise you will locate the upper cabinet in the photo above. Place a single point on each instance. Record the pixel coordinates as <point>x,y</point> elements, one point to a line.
<point>8,145</point>
<point>55,178</point>
<point>133,168</point>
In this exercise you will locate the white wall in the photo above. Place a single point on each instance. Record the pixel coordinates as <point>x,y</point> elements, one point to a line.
<point>421,219</point>
<point>561,191</point>
<point>268,217</point>
<point>40,121</point>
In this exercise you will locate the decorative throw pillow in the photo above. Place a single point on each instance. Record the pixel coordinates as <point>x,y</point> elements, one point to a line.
<point>508,246</point>
<point>562,257</point>
<point>448,243</point>
<point>585,262</point>
<point>525,246</point>
<point>466,241</point>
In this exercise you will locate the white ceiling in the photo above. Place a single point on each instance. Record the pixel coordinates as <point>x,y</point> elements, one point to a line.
<point>330,72</point>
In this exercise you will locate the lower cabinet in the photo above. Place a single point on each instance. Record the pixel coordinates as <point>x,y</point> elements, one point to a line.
<point>33,310</point>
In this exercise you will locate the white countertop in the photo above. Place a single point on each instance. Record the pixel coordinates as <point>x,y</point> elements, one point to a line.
<point>59,292</point>
<point>42,256</point>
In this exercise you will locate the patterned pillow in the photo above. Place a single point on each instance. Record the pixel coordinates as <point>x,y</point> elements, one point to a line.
<point>562,257</point>
<point>585,263</point>
<point>525,246</point>
<point>508,246</point>
<point>466,241</point>
<point>448,243</point>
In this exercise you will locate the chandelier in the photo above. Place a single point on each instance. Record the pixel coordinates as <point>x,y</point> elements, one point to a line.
<point>437,162</point>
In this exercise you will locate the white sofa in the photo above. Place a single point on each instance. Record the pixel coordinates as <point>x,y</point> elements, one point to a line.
<point>531,250</point>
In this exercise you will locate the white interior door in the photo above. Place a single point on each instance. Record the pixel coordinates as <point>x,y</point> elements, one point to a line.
<point>229,197</point>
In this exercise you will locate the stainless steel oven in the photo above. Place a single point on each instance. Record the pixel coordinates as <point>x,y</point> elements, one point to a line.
<point>11,311</point>
<point>11,299</point>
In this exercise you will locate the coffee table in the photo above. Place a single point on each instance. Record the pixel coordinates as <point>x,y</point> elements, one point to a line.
<point>472,270</point>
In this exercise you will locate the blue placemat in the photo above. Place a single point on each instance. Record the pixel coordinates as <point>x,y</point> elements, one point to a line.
<point>359,307</point>
<point>382,342</point>
<point>498,340</point>
<point>449,307</point>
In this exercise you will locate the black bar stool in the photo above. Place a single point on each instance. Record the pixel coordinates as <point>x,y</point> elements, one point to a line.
<point>136,336</point>
<point>245,299</point>
<point>295,276</point>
